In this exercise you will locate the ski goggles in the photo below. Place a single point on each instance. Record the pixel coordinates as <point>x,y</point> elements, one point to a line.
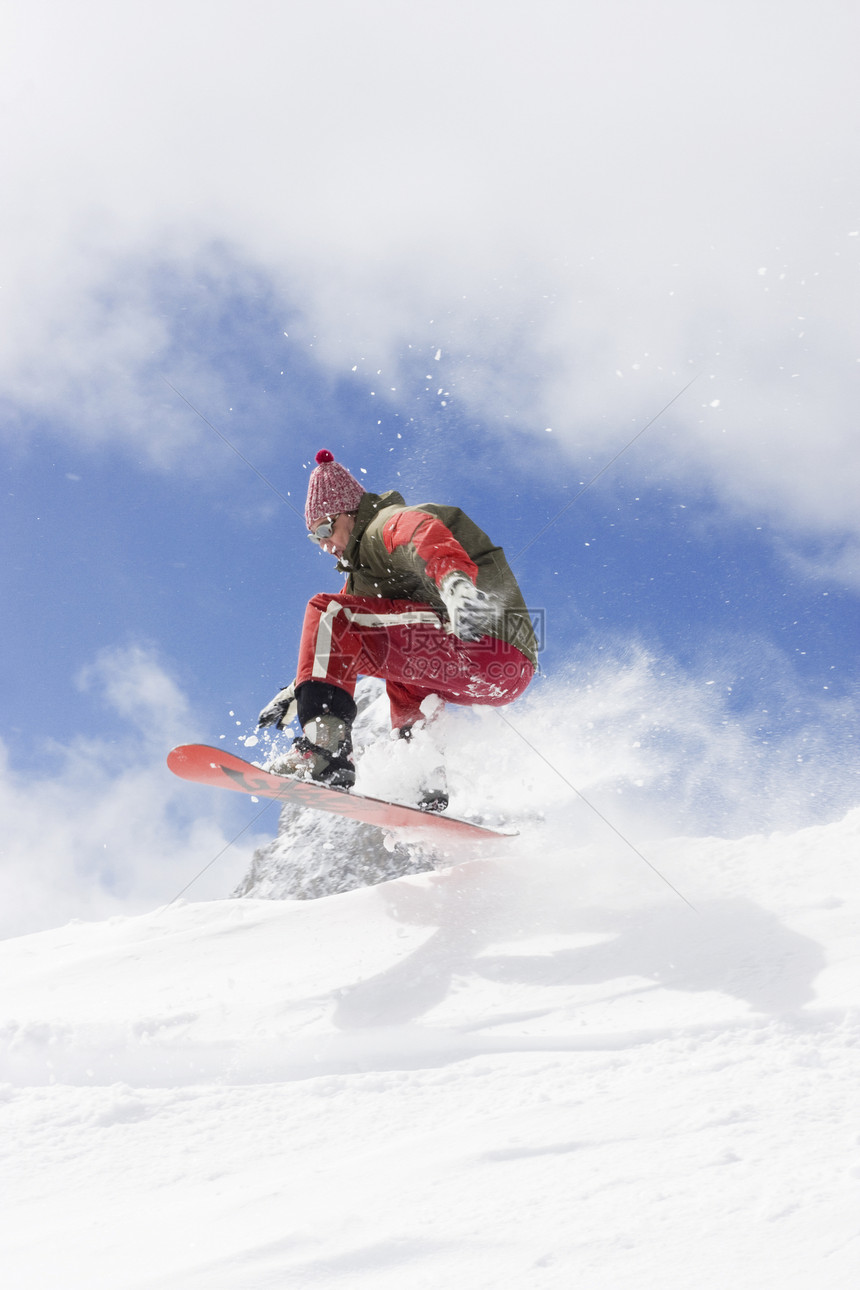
<point>323,531</point>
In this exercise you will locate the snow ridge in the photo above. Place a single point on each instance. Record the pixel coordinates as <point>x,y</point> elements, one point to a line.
<point>518,1073</point>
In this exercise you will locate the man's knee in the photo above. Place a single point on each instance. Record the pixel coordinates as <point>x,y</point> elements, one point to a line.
<point>319,698</point>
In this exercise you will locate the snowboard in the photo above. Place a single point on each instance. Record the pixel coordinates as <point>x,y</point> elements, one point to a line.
<point>222,769</point>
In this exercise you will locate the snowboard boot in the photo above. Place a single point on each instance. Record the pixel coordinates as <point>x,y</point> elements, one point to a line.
<point>323,753</point>
<point>432,788</point>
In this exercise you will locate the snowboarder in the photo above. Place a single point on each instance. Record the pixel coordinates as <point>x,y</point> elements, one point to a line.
<point>430,605</point>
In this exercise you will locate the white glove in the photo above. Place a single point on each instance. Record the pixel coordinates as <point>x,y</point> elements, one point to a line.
<point>282,710</point>
<point>472,612</point>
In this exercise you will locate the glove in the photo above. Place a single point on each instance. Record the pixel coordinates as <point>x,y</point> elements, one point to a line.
<point>472,612</point>
<point>282,710</point>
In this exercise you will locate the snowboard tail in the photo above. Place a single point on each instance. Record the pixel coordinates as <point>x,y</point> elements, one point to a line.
<point>222,769</point>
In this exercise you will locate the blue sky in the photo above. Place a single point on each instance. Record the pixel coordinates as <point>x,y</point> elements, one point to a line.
<point>473,252</point>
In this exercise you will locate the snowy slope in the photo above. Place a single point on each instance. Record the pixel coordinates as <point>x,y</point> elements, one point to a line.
<point>537,1071</point>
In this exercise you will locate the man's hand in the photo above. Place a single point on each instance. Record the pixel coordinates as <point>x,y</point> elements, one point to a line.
<point>472,612</point>
<point>282,710</point>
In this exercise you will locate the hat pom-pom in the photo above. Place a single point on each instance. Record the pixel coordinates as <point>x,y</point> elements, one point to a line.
<point>324,456</point>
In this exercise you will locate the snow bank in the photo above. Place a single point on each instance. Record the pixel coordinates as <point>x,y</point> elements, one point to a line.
<point>534,1071</point>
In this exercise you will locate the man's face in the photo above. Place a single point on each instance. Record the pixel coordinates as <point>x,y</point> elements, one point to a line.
<point>340,535</point>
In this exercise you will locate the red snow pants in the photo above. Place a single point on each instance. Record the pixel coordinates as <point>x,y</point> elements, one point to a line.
<point>406,644</point>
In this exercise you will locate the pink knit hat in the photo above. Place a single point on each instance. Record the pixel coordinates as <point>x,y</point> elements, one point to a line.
<point>331,489</point>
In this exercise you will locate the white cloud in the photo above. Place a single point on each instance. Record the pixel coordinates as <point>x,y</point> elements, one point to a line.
<point>105,828</point>
<point>591,202</point>
<point>135,684</point>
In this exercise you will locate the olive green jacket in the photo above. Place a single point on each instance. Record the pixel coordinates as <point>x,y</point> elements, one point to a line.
<point>394,554</point>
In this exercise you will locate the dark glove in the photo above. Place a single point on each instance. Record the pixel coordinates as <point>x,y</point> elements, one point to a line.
<point>472,612</point>
<point>282,710</point>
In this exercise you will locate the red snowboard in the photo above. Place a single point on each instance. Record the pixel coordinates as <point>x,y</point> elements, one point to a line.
<point>222,769</point>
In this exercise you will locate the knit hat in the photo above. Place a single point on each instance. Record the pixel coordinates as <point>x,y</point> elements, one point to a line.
<point>331,489</point>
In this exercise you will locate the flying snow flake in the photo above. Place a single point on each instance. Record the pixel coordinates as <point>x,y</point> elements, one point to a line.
<point>438,355</point>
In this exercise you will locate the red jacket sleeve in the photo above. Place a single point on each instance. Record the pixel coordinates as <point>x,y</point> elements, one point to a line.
<point>433,543</point>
